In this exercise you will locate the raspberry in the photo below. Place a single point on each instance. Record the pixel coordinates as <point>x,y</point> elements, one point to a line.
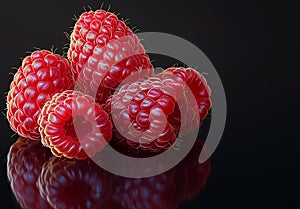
<point>74,126</point>
<point>140,112</point>
<point>104,51</point>
<point>198,85</point>
<point>68,183</point>
<point>156,192</point>
<point>24,164</point>
<point>41,75</point>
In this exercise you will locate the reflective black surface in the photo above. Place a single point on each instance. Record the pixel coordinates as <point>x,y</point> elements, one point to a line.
<point>41,181</point>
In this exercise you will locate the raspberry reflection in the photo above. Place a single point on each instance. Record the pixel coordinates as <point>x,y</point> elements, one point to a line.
<point>67,183</point>
<point>40,182</point>
<point>24,164</point>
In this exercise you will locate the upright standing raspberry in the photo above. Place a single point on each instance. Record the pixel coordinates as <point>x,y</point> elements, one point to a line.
<point>24,164</point>
<point>103,52</point>
<point>41,75</point>
<point>74,126</point>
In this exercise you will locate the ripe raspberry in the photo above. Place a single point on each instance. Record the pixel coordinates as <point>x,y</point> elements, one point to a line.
<point>74,126</point>
<point>140,112</point>
<point>198,85</point>
<point>103,52</point>
<point>41,75</point>
<point>156,192</point>
<point>67,183</point>
<point>24,164</point>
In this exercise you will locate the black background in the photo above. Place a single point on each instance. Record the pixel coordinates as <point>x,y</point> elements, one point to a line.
<point>251,45</point>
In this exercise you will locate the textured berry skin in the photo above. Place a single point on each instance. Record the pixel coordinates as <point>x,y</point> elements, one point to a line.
<point>103,52</point>
<point>156,192</point>
<point>140,113</point>
<point>69,111</point>
<point>24,164</point>
<point>68,183</point>
<point>41,75</point>
<point>177,99</point>
<point>198,86</point>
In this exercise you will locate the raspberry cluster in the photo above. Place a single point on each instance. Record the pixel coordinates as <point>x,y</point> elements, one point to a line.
<point>105,91</point>
<point>66,110</point>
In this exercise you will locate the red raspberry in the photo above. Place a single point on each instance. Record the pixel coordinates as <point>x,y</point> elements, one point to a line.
<point>156,192</point>
<point>68,183</point>
<point>41,75</point>
<point>198,85</point>
<point>74,126</point>
<point>140,112</point>
<point>104,51</point>
<point>24,164</point>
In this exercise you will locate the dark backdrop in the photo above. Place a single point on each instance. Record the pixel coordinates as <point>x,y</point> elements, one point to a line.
<point>251,45</point>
